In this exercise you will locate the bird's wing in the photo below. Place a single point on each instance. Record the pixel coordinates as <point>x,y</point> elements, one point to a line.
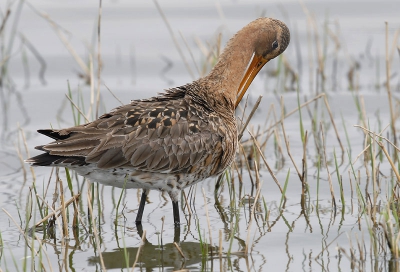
<point>157,136</point>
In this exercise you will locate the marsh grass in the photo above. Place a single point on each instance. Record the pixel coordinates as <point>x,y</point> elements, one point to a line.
<point>73,213</point>
<point>9,40</point>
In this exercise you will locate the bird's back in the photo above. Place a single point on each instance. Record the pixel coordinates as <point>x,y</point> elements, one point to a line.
<point>172,135</point>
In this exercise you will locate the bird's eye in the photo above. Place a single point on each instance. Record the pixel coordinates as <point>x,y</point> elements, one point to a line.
<point>274,45</point>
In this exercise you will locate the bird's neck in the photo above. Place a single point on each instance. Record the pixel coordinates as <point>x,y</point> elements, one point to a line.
<point>224,79</point>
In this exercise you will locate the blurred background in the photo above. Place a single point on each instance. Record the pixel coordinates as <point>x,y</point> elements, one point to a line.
<point>43,42</point>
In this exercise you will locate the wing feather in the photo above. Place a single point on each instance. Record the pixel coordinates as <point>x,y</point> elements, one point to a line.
<point>155,136</point>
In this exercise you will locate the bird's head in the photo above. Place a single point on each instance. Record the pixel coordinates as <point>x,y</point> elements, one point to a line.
<point>272,38</point>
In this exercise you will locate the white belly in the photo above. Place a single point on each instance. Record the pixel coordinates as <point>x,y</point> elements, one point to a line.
<point>130,178</point>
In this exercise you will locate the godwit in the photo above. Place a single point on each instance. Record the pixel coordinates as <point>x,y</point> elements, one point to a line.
<point>176,139</point>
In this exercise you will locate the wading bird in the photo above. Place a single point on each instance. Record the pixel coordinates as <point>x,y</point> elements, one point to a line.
<point>176,139</point>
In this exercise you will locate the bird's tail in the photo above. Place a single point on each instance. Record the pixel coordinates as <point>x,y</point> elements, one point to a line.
<point>47,159</point>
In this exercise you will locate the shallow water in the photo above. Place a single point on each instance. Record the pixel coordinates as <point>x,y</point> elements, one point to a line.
<point>140,59</point>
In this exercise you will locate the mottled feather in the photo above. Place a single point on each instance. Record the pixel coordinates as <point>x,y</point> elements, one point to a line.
<point>168,134</point>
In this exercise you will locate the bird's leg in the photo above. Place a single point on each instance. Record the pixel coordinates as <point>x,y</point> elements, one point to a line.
<point>177,234</point>
<point>175,207</point>
<point>141,207</point>
<point>139,229</point>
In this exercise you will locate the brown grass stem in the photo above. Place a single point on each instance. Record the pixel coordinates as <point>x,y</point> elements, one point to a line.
<point>56,218</point>
<point>390,160</point>
<point>309,47</point>
<point>265,162</point>
<point>77,108</point>
<point>139,250</point>
<point>4,21</point>
<point>354,265</point>
<point>238,172</point>
<point>21,160</point>
<point>63,39</point>
<point>190,53</point>
<point>4,61</point>
<point>363,111</point>
<point>249,118</point>
<point>187,203</point>
<point>171,32</point>
<point>378,135</point>
<point>374,174</point>
<point>220,243</point>
<point>304,161</point>
<point>207,216</point>
<point>322,251</point>
<point>394,45</point>
<point>328,108</point>
<point>179,250</point>
<point>113,94</point>
<point>91,82</point>
<point>42,248</point>
<point>389,92</point>
<point>67,203</point>
<point>63,211</point>
<point>287,142</point>
<point>369,132</point>
<point>291,113</point>
<point>253,209</point>
<point>244,108</point>
<point>319,52</point>
<point>390,240</point>
<point>162,227</point>
<point>18,227</point>
<point>327,167</point>
<point>99,61</point>
<point>22,133</point>
<point>38,56</point>
<point>246,161</point>
<point>206,53</point>
<point>95,234</point>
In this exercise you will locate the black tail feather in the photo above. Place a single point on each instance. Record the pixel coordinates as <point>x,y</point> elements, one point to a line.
<point>53,134</point>
<point>40,147</point>
<point>46,159</point>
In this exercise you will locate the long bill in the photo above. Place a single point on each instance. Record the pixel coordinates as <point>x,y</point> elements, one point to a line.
<point>252,70</point>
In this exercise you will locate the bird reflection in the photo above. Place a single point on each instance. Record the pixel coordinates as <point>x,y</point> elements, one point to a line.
<point>164,256</point>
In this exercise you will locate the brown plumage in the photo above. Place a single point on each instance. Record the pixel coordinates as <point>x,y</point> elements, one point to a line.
<point>175,139</point>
